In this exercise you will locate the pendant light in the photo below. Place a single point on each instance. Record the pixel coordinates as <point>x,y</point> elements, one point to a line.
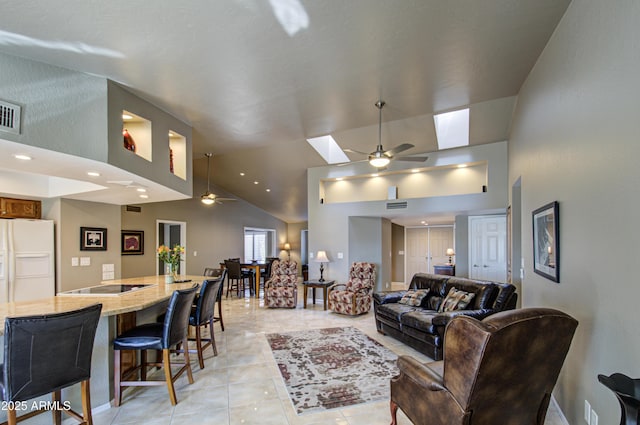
<point>208,198</point>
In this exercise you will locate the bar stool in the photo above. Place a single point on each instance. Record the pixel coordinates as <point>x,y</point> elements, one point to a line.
<point>156,336</point>
<point>45,353</point>
<point>202,315</point>
<point>222,273</point>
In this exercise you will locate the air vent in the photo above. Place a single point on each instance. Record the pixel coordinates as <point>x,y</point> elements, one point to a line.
<point>396,205</point>
<point>9,117</point>
<point>133,208</point>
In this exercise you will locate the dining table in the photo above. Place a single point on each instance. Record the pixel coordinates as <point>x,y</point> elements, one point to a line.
<point>257,267</point>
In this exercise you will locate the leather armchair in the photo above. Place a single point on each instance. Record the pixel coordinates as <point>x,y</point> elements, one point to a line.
<point>355,296</point>
<point>500,370</point>
<point>281,290</point>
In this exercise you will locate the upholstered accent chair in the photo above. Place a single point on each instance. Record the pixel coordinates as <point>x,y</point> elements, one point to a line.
<point>500,370</point>
<point>354,297</point>
<point>281,290</point>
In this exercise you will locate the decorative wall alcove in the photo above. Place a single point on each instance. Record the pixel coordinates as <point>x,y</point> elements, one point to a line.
<point>136,132</point>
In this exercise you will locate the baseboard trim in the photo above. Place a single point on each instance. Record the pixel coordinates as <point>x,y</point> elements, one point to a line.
<point>560,412</point>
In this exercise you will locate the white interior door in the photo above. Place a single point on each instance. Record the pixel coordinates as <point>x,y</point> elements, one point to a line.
<point>488,248</point>
<point>440,238</point>
<point>416,252</point>
<point>426,247</point>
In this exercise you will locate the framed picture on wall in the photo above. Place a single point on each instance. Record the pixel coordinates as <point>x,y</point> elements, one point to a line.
<point>132,242</point>
<point>93,239</point>
<point>546,244</point>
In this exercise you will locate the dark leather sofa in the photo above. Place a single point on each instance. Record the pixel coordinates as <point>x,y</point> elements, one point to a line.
<point>422,327</point>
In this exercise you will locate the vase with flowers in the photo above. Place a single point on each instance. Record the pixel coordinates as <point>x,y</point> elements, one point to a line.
<point>171,258</point>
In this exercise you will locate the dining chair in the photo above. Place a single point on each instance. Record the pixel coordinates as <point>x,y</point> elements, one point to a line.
<point>235,274</point>
<point>44,354</point>
<point>156,336</point>
<point>222,273</point>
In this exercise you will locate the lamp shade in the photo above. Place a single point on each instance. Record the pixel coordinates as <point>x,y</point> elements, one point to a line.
<point>321,257</point>
<point>450,251</point>
<point>287,246</point>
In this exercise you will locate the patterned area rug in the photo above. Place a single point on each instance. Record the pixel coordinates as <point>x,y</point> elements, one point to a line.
<point>334,367</point>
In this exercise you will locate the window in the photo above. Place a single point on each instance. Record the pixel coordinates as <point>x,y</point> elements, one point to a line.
<point>258,244</point>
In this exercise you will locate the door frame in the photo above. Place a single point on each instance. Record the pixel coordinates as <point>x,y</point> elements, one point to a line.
<point>183,241</point>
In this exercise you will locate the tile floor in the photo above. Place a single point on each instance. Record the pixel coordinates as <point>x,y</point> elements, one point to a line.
<point>242,385</point>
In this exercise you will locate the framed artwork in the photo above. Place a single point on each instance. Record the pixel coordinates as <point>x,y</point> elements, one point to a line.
<point>93,239</point>
<point>132,242</point>
<point>546,244</point>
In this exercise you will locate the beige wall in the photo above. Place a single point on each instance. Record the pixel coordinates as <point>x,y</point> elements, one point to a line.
<point>69,215</point>
<point>215,232</point>
<point>575,140</point>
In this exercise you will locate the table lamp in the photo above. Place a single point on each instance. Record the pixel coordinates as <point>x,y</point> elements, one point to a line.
<point>450,253</point>
<point>321,258</point>
<point>287,247</point>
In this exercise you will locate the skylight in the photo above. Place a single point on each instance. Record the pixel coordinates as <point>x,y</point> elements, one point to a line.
<point>452,129</point>
<point>328,149</point>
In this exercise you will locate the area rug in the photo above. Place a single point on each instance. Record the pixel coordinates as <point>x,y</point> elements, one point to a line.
<point>333,367</point>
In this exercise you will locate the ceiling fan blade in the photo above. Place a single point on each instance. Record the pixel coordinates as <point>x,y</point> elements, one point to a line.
<point>342,164</point>
<point>354,151</point>
<point>226,199</point>
<point>400,148</point>
<point>412,158</point>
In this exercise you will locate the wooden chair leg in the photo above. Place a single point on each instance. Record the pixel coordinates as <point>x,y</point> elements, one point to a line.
<point>55,411</point>
<point>199,347</point>
<point>86,401</point>
<point>11,416</point>
<point>394,410</point>
<point>213,339</point>
<point>188,363</point>
<point>220,314</point>
<point>143,365</point>
<point>166,363</point>
<point>117,389</point>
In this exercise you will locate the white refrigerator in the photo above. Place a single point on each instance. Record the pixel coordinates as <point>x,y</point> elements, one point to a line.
<point>26,260</point>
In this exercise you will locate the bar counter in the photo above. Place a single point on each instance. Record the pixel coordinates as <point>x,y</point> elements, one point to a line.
<point>146,303</point>
<point>111,304</point>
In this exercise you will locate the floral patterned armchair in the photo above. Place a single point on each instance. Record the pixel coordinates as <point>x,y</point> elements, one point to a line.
<point>354,297</point>
<point>281,290</point>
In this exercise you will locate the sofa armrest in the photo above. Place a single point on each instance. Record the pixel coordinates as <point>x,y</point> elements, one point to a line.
<point>441,319</point>
<point>388,297</point>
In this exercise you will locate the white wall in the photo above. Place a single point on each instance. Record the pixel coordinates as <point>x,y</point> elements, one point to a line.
<point>575,140</point>
<point>329,223</point>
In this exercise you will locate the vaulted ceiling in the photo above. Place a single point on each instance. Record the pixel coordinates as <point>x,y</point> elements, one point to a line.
<point>256,78</point>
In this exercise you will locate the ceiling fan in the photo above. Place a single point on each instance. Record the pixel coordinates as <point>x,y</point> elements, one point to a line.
<point>209,198</point>
<point>381,158</point>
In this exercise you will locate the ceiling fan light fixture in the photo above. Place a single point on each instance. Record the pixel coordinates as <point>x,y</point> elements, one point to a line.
<point>379,161</point>
<point>206,200</point>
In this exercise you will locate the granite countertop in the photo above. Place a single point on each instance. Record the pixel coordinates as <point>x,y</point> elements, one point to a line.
<point>111,305</point>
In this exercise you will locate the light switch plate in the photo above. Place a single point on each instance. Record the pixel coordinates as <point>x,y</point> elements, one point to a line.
<point>340,256</point>
<point>85,261</point>
<point>74,262</point>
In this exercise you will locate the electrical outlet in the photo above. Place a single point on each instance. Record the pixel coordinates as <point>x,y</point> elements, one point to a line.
<point>594,418</point>
<point>587,412</point>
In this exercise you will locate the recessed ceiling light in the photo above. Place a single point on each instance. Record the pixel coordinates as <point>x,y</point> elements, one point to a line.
<point>170,134</point>
<point>144,196</point>
<point>375,175</point>
<point>22,157</point>
<point>462,165</point>
<point>141,189</point>
<point>127,117</point>
<point>415,170</point>
<point>93,173</point>
<point>268,190</point>
<point>255,182</point>
<point>242,174</point>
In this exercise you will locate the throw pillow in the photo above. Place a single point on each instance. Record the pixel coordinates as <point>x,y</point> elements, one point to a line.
<point>456,300</point>
<point>414,298</point>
